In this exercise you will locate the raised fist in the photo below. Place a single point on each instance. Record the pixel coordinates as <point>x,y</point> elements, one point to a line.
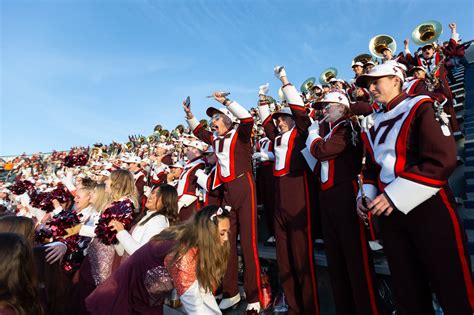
<point>279,72</point>
<point>263,89</point>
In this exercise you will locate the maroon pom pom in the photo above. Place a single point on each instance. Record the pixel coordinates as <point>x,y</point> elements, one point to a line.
<point>121,211</point>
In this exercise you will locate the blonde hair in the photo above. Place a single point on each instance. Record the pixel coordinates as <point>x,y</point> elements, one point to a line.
<point>201,232</point>
<point>122,184</point>
<point>100,198</point>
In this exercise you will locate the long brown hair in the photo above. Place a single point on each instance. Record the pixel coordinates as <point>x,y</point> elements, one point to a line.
<point>122,184</point>
<point>100,198</point>
<point>201,232</point>
<point>169,198</point>
<point>18,286</point>
<point>19,225</point>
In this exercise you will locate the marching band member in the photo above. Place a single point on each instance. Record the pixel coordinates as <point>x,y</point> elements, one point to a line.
<point>339,160</point>
<point>232,145</point>
<point>139,176</point>
<point>292,219</point>
<point>411,155</point>
<point>188,202</point>
<point>433,61</point>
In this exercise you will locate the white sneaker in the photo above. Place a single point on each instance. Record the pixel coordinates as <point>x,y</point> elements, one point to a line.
<point>253,306</point>
<point>375,246</point>
<point>229,302</point>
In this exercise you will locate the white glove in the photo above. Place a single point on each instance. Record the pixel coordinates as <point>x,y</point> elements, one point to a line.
<point>256,156</point>
<point>314,128</point>
<point>367,122</point>
<point>279,72</point>
<point>263,89</point>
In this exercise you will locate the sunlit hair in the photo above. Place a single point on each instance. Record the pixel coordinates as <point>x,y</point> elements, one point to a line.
<point>19,225</point>
<point>122,184</point>
<point>18,287</point>
<point>100,198</point>
<point>169,197</point>
<point>201,232</point>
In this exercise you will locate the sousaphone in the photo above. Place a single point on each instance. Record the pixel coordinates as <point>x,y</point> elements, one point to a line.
<point>380,42</point>
<point>307,85</point>
<point>364,58</point>
<point>427,33</point>
<point>327,75</point>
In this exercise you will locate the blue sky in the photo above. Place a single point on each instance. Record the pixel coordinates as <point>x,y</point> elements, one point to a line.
<point>79,72</point>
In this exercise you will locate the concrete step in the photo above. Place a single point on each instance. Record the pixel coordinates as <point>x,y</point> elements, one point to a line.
<point>456,85</point>
<point>458,106</point>
<point>470,185</point>
<point>469,161</point>
<point>460,116</point>
<point>458,91</point>
<point>469,172</point>
<point>459,135</point>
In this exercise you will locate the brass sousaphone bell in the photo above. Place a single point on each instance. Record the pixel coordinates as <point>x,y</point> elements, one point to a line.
<point>327,75</point>
<point>151,139</point>
<point>427,33</point>
<point>307,85</point>
<point>380,42</point>
<point>364,58</point>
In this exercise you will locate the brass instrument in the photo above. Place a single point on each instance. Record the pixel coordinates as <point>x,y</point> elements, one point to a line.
<point>105,155</point>
<point>141,139</point>
<point>165,133</point>
<point>432,80</point>
<point>158,128</point>
<point>307,85</point>
<point>151,139</point>
<point>95,152</point>
<point>427,33</point>
<point>129,145</point>
<point>327,75</point>
<point>364,58</point>
<point>380,42</point>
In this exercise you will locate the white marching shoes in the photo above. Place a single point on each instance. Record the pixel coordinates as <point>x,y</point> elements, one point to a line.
<point>229,302</point>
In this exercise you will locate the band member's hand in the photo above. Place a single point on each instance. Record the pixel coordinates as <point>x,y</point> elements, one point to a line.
<point>361,209</point>
<point>452,26</point>
<point>279,72</point>
<point>405,42</point>
<point>219,96</point>
<point>187,110</point>
<point>56,203</point>
<point>380,205</point>
<point>116,226</point>
<point>359,92</point>
<point>263,89</point>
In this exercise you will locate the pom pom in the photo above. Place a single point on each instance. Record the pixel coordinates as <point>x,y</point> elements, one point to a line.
<point>72,160</point>
<point>121,211</point>
<point>22,186</point>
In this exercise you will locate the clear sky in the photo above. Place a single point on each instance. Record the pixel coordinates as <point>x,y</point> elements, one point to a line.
<point>77,72</point>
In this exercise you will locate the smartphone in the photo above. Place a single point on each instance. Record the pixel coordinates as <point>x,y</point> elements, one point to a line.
<point>188,102</point>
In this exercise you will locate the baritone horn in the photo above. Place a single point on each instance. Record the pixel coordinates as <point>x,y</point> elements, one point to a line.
<point>380,42</point>
<point>327,75</point>
<point>151,139</point>
<point>427,33</point>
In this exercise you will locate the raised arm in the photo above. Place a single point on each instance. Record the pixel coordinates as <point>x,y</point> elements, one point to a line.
<point>195,126</point>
